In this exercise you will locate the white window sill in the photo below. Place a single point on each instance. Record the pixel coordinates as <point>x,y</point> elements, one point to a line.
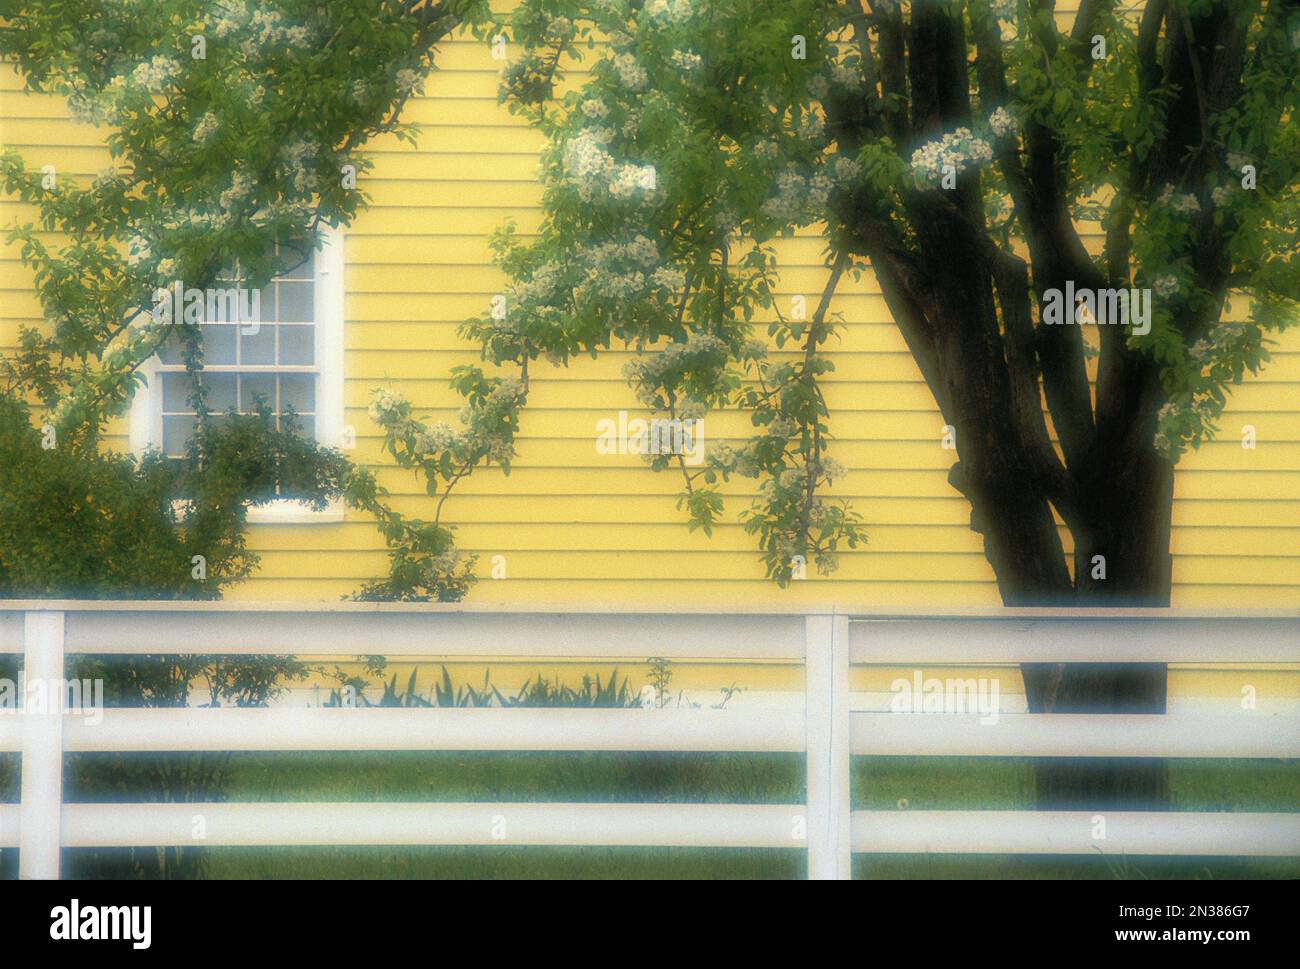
<point>286,511</point>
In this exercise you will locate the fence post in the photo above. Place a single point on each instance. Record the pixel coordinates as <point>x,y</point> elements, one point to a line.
<point>41,809</point>
<point>826,720</point>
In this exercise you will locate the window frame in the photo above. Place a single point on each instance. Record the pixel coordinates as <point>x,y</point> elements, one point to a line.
<point>328,291</point>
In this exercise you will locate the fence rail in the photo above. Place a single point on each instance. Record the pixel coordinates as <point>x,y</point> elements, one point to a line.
<point>824,643</point>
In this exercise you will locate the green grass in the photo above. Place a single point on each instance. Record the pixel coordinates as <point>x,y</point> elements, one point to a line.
<point>882,783</point>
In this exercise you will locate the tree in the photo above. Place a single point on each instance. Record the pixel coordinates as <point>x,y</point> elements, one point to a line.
<point>235,131</point>
<point>955,148</point>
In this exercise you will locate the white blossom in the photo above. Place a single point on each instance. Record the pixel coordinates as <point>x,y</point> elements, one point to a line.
<point>669,11</point>
<point>725,219</point>
<point>438,436</point>
<point>959,149</point>
<point>1003,124</point>
<point>681,11</point>
<point>542,286</point>
<point>297,156</point>
<point>382,404</point>
<point>229,18</point>
<point>832,470</point>
<point>406,79</point>
<point>632,180</point>
<point>812,127</point>
<point>630,72</point>
<point>819,190</point>
<point>587,162</point>
<point>642,250</point>
<point>686,61</point>
<point>791,189</point>
<point>240,187</point>
<point>206,128</point>
<point>156,73</point>
<point>668,278</point>
<point>86,110</point>
<point>847,170</point>
<point>846,75</point>
<point>105,178</point>
<point>1165,286</point>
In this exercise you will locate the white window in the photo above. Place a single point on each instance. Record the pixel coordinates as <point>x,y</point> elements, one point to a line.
<point>291,359</point>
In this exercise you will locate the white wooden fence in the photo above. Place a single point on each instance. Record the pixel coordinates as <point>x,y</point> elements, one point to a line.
<point>826,643</point>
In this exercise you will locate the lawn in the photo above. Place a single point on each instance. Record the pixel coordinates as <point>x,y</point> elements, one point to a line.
<point>880,783</point>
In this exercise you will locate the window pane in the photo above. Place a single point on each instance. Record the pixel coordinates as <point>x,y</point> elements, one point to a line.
<point>296,303</point>
<point>176,433</point>
<point>266,305</point>
<point>221,391</point>
<point>194,307</point>
<point>297,345</point>
<point>230,303</point>
<point>218,344</point>
<point>257,348</point>
<point>298,390</point>
<point>170,351</point>
<point>306,271</point>
<point>175,390</point>
<point>253,386</point>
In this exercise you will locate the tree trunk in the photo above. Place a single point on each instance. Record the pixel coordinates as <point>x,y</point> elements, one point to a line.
<point>1122,559</point>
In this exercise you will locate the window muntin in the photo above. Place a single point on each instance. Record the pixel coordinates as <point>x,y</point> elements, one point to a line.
<point>277,359</point>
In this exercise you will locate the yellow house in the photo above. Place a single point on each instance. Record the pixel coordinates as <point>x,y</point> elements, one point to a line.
<point>381,305</point>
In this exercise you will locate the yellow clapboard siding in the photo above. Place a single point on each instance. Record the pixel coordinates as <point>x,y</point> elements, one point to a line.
<point>856,483</point>
<point>709,564</point>
<point>391,221</point>
<point>651,535</point>
<point>912,592</point>
<point>415,165</point>
<point>840,395</point>
<point>859,310</point>
<point>66,159</point>
<point>851,363</point>
<point>395,277</point>
<point>701,563</point>
<point>577,526</point>
<point>881,425</point>
<point>1229,515</point>
<point>507,196</point>
<point>444,248</point>
<point>582,452</point>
